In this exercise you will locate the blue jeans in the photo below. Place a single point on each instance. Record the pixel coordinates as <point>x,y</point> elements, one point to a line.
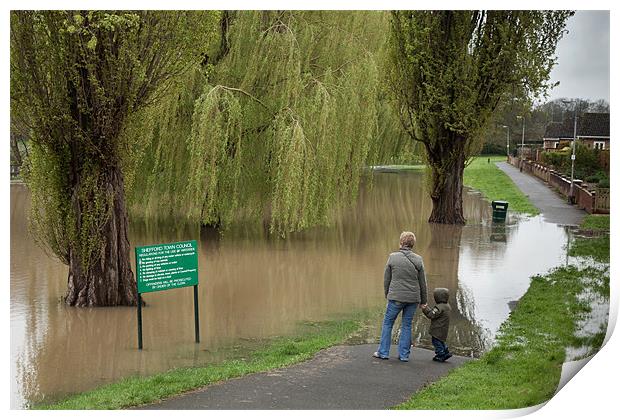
<point>404,344</point>
<point>441,350</point>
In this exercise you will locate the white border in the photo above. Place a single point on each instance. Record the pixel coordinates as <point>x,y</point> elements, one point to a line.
<point>590,394</point>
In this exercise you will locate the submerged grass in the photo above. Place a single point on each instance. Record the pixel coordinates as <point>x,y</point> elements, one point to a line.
<point>484,176</point>
<point>524,367</point>
<point>276,353</point>
<point>597,248</point>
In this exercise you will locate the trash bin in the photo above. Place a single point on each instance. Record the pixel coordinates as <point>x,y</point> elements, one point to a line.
<point>500,208</point>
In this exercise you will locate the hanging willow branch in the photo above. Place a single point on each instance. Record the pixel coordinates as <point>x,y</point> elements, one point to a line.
<point>280,129</point>
<point>232,89</point>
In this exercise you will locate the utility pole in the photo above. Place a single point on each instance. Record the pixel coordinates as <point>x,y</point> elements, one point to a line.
<point>571,194</point>
<point>571,197</point>
<point>507,142</point>
<point>522,141</point>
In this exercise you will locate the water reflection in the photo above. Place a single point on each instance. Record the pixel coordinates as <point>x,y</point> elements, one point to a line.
<point>254,286</point>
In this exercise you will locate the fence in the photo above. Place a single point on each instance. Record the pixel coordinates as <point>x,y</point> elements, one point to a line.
<point>591,199</point>
<point>601,201</point>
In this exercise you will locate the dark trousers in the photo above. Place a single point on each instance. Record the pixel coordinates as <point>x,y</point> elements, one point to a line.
<point>441,349</point>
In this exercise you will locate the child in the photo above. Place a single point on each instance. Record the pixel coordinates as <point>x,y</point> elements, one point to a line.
<point>440,320</point>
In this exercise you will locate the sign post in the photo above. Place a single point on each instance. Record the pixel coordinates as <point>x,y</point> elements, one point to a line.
<point>196,320</point>
<point>139,321</point>
<point>167,266</point>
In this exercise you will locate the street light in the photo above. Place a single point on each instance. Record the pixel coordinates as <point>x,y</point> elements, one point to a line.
<point>522,142</point>
<point>571,195</point>
<point>507,141</point>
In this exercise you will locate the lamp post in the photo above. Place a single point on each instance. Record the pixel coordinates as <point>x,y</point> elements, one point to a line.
<point>507,141</point>
<point>571,194</point>
<point>522,117</point>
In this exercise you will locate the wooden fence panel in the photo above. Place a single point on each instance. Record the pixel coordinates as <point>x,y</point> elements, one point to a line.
<point>601,200</point>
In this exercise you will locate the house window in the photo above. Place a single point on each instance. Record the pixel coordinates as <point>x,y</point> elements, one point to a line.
<point>599,145</point>
<point>555,144</point>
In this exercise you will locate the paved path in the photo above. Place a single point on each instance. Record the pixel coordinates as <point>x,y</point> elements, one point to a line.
<point>554,208</point>
<point>341,377</point>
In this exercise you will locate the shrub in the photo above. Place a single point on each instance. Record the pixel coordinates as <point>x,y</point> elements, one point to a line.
<point>603,183</point>
<point>493,149</point>
<point>587,165</point>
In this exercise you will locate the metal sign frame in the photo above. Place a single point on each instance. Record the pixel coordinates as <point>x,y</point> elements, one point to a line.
<point>163,267</point>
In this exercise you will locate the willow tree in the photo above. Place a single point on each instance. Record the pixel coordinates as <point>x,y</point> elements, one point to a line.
<point>79,76</point>
<point>284,114</point>
<point>450,70</point>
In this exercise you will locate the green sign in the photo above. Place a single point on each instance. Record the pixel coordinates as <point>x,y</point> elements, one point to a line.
<point>166,266</point>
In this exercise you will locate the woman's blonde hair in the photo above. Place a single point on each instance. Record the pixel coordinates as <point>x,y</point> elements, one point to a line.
<point>407,239</point>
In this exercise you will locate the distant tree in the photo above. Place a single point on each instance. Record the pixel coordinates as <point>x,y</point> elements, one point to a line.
<point>451,69</point>
<point>79,75</point>
<point>562,108</point>
<point>599,105</point>
<point>537,117</point>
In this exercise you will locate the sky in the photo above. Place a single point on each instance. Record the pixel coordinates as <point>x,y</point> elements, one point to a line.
<point>583,57</point>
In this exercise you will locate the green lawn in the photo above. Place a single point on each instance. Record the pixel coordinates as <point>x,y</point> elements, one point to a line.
<point>487,178</point>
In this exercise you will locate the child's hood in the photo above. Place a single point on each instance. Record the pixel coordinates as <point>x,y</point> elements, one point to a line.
<point>440,295</point>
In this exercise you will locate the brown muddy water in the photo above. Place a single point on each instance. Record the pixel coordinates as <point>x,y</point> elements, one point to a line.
<point>254,287</point>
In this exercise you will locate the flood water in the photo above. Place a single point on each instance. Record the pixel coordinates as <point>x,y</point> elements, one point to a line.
<point>253,287</point>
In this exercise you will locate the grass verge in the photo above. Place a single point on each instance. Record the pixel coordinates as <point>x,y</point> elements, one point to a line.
<point>524,367</point>
<point>596,246</point>
<point>596,222</point>
<point>278,352</point>
<point>484,176</point>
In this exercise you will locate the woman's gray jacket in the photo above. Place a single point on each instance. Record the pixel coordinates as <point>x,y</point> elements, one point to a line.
<point>404,279</point>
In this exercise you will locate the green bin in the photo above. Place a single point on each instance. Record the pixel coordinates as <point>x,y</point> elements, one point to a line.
<point>500,208</point>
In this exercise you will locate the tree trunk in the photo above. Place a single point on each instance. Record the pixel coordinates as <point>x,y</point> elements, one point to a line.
<point>109,280</point>
<point>447,191</point>
<point>17,156</point>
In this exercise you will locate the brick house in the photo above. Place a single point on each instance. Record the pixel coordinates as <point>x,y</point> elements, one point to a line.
<point>592,131</point>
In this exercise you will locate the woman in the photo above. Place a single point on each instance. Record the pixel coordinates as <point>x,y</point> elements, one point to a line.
<point>405,287</point>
